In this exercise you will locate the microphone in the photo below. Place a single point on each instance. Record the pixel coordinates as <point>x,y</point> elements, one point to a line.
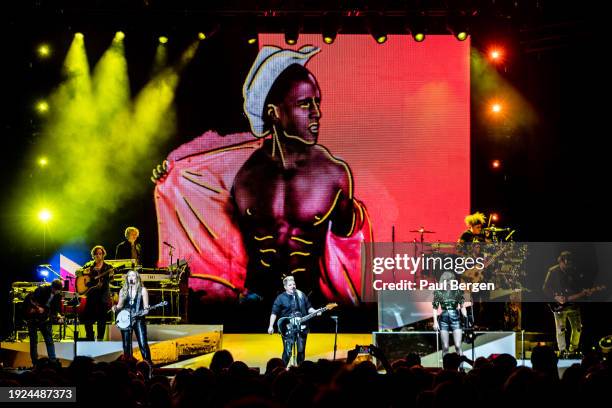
<point>333,317</point>
<point>167,244</point>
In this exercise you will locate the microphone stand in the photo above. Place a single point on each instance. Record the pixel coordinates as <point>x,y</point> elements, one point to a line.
<point>131,309</point>
<point>335,319</point>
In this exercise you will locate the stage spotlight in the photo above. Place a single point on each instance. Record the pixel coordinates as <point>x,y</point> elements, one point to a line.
<point>496,55</point>
<point>292,29</point>
<point>207,28</point>
<point>42,271</point>
<point>43,51</point>
<point>44,216</point>
<point>42,161</point>
<point>42,107</point>
<point>79,36</point>
<point>163,39</point>
<point>329,27</point>
<point>376,27</point>
<point>496,107</point>
<point>458,28</point>
<point>496,164</point>
<point>415,26</point>
<point>250,29</point>
<point>119,36</point>
<point>494,217</point>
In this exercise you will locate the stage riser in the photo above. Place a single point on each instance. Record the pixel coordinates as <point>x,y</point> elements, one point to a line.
<point>428,345</point>
<point>168,344</point>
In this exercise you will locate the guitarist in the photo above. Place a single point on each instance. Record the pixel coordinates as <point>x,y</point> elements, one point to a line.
<point>135,298</point>
<point>98,296</point>
<point>564,283</point>
<point>291,302</point>
<point>43,304</point>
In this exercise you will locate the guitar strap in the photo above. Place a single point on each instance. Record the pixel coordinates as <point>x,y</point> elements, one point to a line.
<point>299,298</point>
<point>138,300</point>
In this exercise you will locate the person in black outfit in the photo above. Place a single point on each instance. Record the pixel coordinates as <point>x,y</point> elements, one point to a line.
<point>46,300</point>
<point>473,233</point>
<point>564,282</point>
<point>134,298</point>
<point>98,298</point>
<point>130,249</point>
<point>291,302</point>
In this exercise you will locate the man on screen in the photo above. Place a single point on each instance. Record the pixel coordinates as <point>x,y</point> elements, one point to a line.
<point>253,207</point>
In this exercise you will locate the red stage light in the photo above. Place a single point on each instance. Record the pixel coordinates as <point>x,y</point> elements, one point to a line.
<point>496,55</point>
<point>494,217</point>
<point>496,164</point>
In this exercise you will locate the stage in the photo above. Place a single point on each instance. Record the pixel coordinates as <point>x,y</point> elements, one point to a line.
<point>192,346</point>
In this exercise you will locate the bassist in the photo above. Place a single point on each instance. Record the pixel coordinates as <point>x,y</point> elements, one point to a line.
<point>564,283</point>
<point>40,308</point>
<point>290,303</point>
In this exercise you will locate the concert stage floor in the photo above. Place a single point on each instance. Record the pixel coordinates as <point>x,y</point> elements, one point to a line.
<point>193,347</point>
<point>256,349</point>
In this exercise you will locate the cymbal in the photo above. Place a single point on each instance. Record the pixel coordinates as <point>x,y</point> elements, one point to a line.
<point>441,245</point>
<point>495,229</point>
<point>423,231</point>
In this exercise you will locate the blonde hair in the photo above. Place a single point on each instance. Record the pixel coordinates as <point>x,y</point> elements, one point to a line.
<point>124,288</point>
<point>447,276</point>
<point>130,229</point>
<point>477,218</point>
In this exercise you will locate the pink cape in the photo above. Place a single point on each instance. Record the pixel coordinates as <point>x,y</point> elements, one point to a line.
<point>194,214</point>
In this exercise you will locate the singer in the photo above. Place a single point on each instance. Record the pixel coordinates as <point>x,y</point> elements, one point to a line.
<point>137,298</point>
<point>292,302</point>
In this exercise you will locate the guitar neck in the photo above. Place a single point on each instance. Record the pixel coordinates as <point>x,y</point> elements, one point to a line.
<point>141,313</point>
<point>311,315</point>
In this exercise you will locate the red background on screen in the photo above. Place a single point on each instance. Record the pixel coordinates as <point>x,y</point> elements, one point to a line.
<point>399,115</point>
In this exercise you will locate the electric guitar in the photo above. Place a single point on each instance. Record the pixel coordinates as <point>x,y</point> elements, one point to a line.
<point>291,325</point>
<point>123,319</point>
<point>85,283</point>
<point>560,306</point>
<point>476,275</point>
<point>33,312</point>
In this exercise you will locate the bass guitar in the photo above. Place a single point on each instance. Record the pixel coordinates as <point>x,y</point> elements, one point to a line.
<point>560,306</point>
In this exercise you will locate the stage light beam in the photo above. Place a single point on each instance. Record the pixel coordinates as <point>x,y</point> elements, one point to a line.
<point>42,161</point>
<point>163,39</point>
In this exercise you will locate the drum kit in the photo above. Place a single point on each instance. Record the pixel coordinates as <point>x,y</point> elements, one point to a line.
<point>494,237</point>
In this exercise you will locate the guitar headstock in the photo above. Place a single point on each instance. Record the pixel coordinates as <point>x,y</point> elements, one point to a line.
<point>330,306</point>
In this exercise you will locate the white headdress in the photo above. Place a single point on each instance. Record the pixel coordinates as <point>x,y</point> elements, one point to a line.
<point>269,64</point>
